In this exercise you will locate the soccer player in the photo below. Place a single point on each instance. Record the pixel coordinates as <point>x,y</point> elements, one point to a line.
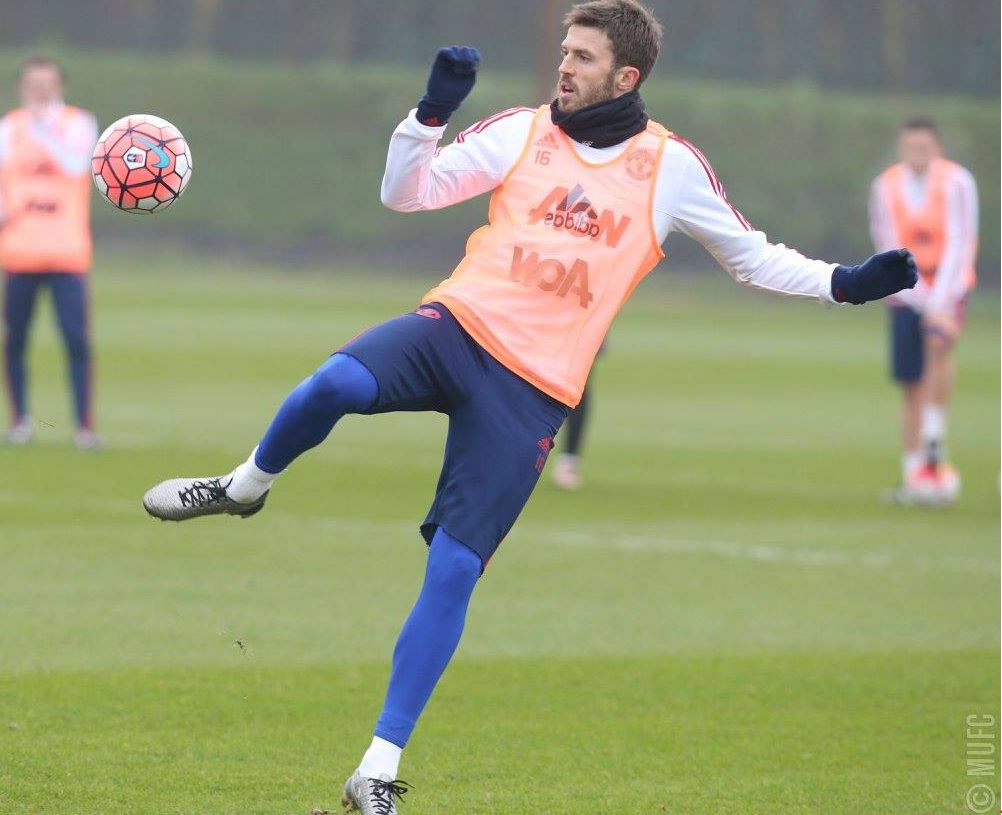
<point>567,467</point>
<point>45,150</point>
<point>930,205</point>
<point>585,191</point>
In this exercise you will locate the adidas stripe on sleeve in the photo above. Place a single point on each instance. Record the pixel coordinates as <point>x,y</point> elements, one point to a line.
<point>691,200</point>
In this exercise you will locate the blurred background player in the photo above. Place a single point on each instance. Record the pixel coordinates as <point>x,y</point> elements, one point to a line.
<point>567,467</point>
<point>930,205</point>
<point>45,239</point>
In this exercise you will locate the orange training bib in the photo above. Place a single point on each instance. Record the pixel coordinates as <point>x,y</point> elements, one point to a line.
<point>923,229</point>
<point>48,211</point>
<point>566,243</point>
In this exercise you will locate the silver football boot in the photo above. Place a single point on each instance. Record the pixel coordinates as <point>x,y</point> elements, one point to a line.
<point>182,498</point>
<point>372,796</point>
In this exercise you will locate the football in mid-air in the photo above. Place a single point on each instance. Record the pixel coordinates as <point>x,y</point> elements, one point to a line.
<point>141,163</point>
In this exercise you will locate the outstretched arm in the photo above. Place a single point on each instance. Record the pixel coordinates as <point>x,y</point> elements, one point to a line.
<point>699,208</point>
<point>419,175</point>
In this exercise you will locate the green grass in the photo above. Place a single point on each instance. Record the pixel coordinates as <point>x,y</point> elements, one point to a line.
<point>290,155</point>
<point>726,619</point>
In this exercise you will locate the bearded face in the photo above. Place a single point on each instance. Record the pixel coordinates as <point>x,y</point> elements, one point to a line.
<point>587,73</point>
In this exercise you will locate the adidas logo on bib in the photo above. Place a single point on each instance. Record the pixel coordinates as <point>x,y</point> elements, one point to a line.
<point>573,211</point>
<point>547,142</point>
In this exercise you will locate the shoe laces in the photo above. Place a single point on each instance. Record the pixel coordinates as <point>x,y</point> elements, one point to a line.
<point>203,493</point>
<point>382,794</point>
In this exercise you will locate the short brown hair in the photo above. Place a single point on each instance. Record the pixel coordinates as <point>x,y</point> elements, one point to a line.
<point>923,122</point>
<point>39,61</point>
<point>632,28</point>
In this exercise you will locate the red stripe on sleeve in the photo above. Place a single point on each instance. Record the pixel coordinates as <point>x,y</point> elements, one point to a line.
<point>483,124</point>
<point>718,188</point>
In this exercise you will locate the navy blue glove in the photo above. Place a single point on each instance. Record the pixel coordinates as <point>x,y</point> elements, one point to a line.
<point>452,77</point>
<point>875,278</point>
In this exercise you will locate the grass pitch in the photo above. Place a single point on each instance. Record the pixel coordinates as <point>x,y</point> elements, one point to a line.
<point>725,619</point>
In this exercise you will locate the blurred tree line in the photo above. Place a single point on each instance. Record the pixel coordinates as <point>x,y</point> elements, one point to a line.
<point>289,157</point>
<point>891,45</point>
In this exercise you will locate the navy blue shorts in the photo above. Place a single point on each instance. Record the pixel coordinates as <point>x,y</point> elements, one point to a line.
<point>907,345</point>
<point>501,428</point>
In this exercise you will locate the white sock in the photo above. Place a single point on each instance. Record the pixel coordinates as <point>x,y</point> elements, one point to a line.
<point>911,461</point>
<point>933,423</point>
<point>382,759</point>
<point>249,482</point>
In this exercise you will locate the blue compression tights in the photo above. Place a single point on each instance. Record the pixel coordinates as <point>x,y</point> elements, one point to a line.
<point>341,385</point>
<point>431,633</point>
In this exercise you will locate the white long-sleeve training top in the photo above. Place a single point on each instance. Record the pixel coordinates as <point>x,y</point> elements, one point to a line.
<point>950,284</point>
<point>688,199</point>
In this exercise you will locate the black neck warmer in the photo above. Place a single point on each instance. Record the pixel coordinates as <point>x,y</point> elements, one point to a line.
<point>604,123</point>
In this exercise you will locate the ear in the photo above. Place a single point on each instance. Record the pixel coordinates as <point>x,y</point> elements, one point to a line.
<point>627,79</point>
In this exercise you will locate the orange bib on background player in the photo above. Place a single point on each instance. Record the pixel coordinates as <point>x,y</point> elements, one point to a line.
<point>48,211</point>
<point>923,229</point>
<point>567,242</point>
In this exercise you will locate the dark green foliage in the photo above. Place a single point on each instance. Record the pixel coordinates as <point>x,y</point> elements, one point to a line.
<point>293,157</point>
